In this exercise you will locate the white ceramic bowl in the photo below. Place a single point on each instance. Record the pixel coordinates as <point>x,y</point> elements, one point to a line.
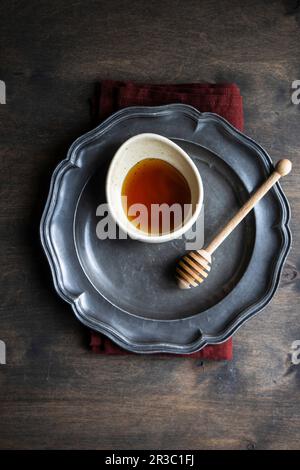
<point>131,152</point>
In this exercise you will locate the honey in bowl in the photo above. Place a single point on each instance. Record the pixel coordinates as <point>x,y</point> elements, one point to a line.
<point>153,182</point>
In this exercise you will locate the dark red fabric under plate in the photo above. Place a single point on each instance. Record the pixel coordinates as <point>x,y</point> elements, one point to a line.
<point>223,99</point>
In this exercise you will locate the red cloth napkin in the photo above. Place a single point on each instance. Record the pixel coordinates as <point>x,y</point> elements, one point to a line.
<point>223,99</point>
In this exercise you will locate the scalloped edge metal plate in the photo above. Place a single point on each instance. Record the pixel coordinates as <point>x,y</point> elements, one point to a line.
<point>77,297</point>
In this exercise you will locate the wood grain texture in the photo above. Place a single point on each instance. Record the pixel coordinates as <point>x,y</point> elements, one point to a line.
<point>53,391</point>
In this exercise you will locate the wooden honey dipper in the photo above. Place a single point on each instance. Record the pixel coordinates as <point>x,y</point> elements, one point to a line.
<point>194,267</point>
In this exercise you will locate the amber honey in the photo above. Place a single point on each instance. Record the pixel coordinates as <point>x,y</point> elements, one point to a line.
<point>153,181</point>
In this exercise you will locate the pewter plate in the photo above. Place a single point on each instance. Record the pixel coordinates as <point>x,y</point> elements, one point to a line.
<point>125,288</point>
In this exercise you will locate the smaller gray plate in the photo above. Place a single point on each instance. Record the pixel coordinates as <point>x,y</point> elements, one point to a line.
<point>139,277</point>
<point>125,288</point>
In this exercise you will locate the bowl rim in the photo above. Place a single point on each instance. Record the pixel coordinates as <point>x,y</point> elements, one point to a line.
<point>129,227</point>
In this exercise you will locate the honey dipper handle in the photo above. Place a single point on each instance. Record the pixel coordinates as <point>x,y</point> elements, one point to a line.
<point>282,168</point>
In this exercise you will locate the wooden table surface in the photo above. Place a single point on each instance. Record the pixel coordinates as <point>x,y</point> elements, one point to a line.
<point>54,393</point>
